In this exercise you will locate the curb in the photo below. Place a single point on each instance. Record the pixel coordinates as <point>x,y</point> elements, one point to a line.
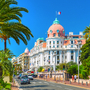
<point>65,84</point>
<point>17,84</point>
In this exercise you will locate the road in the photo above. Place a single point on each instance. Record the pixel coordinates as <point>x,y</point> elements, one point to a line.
<point>44,85</point>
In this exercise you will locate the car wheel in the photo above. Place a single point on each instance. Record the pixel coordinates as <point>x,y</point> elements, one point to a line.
<point>28,82</point>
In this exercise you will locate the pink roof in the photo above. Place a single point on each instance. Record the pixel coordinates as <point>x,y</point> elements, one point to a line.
<point>54,29</point>
<point>26,50</point>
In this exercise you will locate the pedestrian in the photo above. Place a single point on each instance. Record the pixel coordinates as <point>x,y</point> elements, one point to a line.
<point>72,78</point>
<point>75,77</point>
<point>46,76</point>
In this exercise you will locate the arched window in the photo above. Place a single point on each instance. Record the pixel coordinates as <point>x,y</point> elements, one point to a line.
<point>58,35</point>
<point>54,35</point>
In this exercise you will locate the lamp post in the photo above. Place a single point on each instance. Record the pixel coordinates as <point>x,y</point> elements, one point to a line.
<point>55,64</point>
<point>78,59</point>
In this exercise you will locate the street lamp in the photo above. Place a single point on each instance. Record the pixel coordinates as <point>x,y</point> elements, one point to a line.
<point>55,64</point>
<point>78,58</point>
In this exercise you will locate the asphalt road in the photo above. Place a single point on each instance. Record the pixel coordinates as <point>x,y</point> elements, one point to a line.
<point>44,85</point>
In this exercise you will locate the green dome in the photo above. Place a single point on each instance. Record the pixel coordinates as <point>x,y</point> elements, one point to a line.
<point>55,21</point>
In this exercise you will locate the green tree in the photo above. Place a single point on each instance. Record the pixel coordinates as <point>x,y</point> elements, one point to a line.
<point>14,30</point>
<point>70,64</point>
<point>73,69</point>
<point>87,33</point>
<point>5,63</point>
<point>85,55</point>
<point>40,69</point>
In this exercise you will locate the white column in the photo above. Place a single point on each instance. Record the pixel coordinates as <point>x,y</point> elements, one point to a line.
<point>51,57</point>
<point>74,56</point>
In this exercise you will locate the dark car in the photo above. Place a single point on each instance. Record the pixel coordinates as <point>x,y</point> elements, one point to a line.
<point>25,79</point>
<point>34,76</point>
<point>19,76</point>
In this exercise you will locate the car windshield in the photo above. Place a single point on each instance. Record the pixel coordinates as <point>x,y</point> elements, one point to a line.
<point>24,77</point>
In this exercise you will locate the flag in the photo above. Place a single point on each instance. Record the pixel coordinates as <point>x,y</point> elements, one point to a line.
<point>59,13</point>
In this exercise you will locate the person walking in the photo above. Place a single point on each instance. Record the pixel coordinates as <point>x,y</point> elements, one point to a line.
<point>46,76</point>
<point>72,78</point>
<point>75,77</point>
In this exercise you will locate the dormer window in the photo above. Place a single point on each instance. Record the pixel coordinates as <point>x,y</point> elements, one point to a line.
<point>50,31</point>
<point>57,31</point>
<point>63,31</point>
<point>58,35</point>
<point>54,35</point>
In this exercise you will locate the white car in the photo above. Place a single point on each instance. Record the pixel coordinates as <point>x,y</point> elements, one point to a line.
<point>30,77</point>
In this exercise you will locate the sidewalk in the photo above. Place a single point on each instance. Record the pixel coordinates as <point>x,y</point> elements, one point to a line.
<point>14,86</point>
<point>75,84</point>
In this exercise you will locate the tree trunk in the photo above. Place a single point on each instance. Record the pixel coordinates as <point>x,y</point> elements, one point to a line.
<point>5,45</point>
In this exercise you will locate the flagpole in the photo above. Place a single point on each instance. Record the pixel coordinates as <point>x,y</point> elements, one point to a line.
<point>56,14</point>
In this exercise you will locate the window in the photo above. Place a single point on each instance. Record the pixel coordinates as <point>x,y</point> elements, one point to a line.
<point>57,52</point>
<point>71,52</point>
<point>53,46</point>
<point>65,57</point>
<point>57,42</point>
<point>63,31</point>
<point>65,46</point>
<point>49,52</point>
<point>71,46</point>
<point>54,34</point>
<point>48,35</point>
<point>58,35</point>
<point>57,57</point>
<point>50,31</point>
<point>57,62</point>
<point>57,31</point>
<point>50,42</point>
<point>49,46</point>
<point>71,42</point>
<point>49,58</point>
<point>57,46</point>
<point>71,57</point>
<point>53,42</point>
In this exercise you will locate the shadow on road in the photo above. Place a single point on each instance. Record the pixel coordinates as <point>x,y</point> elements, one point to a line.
<point>34,87</point>
<point>44,89</point>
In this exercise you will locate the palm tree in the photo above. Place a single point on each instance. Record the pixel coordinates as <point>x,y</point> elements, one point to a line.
<point>87,33</point>
<point>12,29</point>
<point>5,63</point>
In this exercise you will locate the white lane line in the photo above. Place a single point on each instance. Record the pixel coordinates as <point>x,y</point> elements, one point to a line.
<point>46,82</point>
<point>68,88</point>
<point>39,82</point>
<point>52,85</point>
<point>33,82</point>
<point>59,86</point>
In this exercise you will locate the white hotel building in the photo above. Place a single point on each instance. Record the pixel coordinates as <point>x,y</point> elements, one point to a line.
<point>66,47</point>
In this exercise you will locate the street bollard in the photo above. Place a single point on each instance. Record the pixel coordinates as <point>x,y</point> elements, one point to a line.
<point>82,82</point>
<point>86,83</point>
<point>70,82</point>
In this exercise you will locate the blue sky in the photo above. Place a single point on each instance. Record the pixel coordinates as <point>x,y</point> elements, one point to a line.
<point>75,16</point>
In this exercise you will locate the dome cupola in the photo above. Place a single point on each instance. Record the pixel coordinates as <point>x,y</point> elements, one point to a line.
<point>56,30</point>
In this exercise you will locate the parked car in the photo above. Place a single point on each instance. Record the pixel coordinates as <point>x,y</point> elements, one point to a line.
<point>30,77</point>
<point>19,76</point>
<point>34,76</point>
<point>25,79</point>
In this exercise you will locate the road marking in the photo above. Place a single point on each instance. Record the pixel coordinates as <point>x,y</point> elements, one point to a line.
<point>46,82</point>
<point>39,82</point>
<point>68,89</point>
<point>59,86</point>
<point>34,82</point>
<point>52,85</point>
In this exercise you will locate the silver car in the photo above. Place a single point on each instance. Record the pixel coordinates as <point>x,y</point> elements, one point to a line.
<point>30,77</point>
<point>25,79</point>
